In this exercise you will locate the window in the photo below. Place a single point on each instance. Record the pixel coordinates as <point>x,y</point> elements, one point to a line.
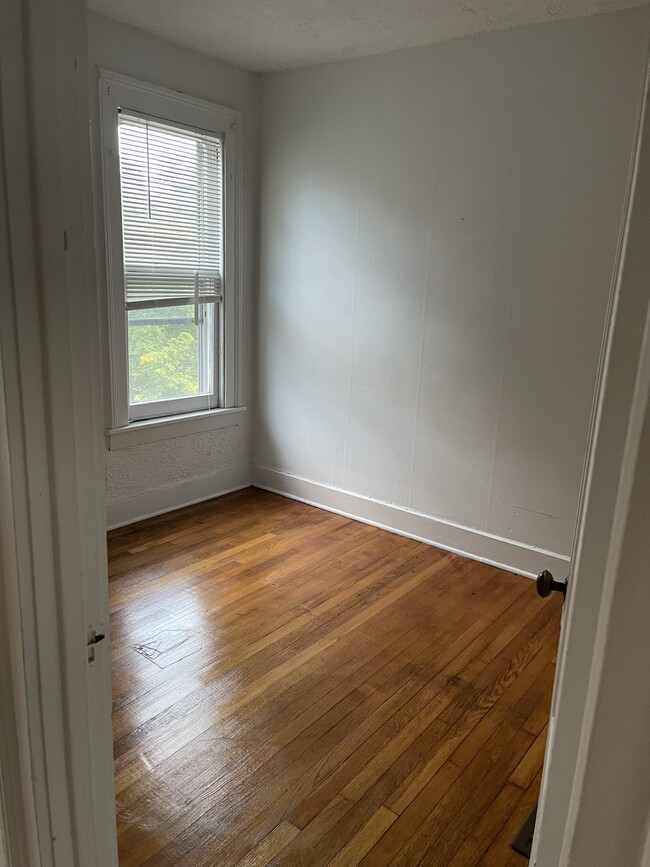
<point>170,187</point>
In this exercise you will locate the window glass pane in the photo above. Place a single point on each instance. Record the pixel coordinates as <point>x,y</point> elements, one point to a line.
<point>169,355</point>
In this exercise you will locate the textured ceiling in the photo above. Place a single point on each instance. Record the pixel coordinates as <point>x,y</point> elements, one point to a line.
<point>264,35</point>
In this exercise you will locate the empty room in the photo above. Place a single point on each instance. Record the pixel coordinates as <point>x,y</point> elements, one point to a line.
<point>324,433</point>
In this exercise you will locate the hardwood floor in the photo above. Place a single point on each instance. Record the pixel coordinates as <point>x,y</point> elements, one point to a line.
<point>292,687</point>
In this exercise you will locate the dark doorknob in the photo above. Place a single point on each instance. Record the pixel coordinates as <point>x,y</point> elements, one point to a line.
<point>546,584</point>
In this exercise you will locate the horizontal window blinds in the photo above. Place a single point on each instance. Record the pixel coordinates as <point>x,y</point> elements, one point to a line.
<point>172,213</point>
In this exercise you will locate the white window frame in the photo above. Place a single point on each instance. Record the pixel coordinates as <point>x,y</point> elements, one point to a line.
<point>119,91</point>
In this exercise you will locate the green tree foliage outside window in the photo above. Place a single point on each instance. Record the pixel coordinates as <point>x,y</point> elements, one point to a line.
<point>163,355</point>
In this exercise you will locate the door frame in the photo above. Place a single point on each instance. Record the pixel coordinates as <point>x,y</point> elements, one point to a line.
<point>576,825</point>
<point>55,738</point>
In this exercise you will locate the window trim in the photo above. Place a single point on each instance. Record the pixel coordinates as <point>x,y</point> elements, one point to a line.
<point>119,90</point>
<point>167,427</point>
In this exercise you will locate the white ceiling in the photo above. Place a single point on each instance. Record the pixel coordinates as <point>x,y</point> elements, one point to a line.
<point>264,35</point>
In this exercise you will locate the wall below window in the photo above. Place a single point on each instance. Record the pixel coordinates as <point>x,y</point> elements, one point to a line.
<point>156,476</point>
<point>439,229</point>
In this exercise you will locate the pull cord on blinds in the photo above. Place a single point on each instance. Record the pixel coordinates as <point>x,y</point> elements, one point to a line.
<point>172,213</point>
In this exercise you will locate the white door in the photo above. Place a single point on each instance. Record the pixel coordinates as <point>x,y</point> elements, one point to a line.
<point>612,461</point>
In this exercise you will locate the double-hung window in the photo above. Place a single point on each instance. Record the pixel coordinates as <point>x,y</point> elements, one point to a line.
<point>170,188</point>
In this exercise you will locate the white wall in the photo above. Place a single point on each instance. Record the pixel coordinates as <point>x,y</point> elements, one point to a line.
<point>142,478</point>
<point>439,228</point>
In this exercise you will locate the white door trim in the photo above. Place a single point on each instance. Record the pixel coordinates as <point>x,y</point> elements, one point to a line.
<point>52,492</point>
<point>17,805</point>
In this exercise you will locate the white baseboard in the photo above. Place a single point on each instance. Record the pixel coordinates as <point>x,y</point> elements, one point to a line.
<point>476,544</point>
<point>176,496</point>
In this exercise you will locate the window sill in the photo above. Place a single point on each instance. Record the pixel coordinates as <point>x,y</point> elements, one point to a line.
<point>152,430</point>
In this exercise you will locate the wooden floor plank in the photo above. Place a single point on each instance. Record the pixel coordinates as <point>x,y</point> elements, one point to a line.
<point>487,828</point>
<point>266,851</point>
<point>355,850</point>
<point>441,832</point>
<point>500,853</point>
<point>525,772</point>
<point>292,687</point>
